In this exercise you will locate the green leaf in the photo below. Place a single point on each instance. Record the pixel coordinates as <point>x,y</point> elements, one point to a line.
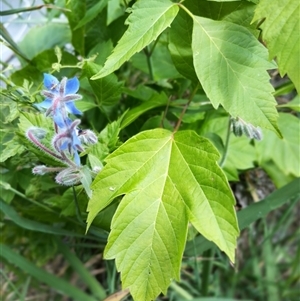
<point>252,213</point>
<point>241,154</point>
<point>180,45</point>
<point>146,22</point>
<point>162,65</point>
<point>156,100</point>
<point>10,149</point>
<point>281,34</point>
<point>107,90</point>
<point>231,66</point>
<point>114,11</point>
<point>28,224</point>
<point>44,37</point>
<point>92,13</point>
<point>293,104</point>
<point>149,228</point>
<point>284,152</point>
<point>78,9</point>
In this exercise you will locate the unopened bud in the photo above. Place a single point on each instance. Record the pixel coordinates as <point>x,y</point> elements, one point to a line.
<point>40,170</point>
<point>240,127</point>
<point>69,177</point>
<point>87,137</point>
<point>38,133</point>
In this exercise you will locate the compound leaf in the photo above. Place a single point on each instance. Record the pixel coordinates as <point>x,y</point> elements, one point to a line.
<point>146,22</point>
<point>281,34</point>
<point>231,66</point>
<point>149,228</point>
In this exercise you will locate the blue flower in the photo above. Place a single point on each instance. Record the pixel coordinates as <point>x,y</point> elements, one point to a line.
<point>60,97</point>
<point>68,140</point>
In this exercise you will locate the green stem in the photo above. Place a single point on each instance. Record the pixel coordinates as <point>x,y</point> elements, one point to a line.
<point>224,156</point>
<point>185,107</point>
<point>206,271</point>
<point>196,268</point>
<point>165,113</point>
<point>186,10</point>
<point>7,186</point>
<point>78,213</point>
<point>149,62</point>
<point>180,291</point>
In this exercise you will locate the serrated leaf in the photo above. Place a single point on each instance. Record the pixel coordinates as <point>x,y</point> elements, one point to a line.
<point>284,152</point>
<point>281,34</point>
<point>107,90</point>
<point>231,66</point>
<point>146,22</point>
<point>168,179</point>
<point>180,45</point>
<point>92,13</point>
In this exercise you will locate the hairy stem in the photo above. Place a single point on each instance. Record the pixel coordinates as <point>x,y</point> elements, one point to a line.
<point>36,142</point>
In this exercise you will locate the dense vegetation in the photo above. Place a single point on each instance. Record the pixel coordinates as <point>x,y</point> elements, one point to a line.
<point>158,139</point>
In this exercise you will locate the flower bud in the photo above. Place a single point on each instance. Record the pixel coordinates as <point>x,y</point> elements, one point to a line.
<point>40,170</point>
<point>87,137</point>
<point>240,127</point>
<point>69,177</point>
<point>38,133</point>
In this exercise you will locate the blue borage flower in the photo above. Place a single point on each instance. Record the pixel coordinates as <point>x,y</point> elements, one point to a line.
<point>68,140</point>
<point>60,97</point>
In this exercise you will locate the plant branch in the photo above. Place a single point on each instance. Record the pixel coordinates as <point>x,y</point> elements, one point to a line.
<point>165,112</point>
<point>185,107</point>
<point>149,61</point>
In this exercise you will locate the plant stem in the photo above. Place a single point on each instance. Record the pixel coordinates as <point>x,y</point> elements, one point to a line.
<point>78,213</point>
<point>37,143</point>
<point>196,267</point>
<point>165,113</point>
<point>185,107</point>
<point>224,156</point>
<point>206,270</point>
<point>149,61</point>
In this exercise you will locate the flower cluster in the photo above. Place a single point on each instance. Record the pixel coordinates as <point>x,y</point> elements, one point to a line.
<point>240,127</point>
<point>68,139</point>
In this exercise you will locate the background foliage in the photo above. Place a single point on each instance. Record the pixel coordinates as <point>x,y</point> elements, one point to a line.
<point>163,85</point>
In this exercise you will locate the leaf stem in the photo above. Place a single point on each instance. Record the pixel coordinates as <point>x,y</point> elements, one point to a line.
<point>149,61</point>
<point>185,107</point>
<point>186,10</point>
<point>165,112</point>
<point>224,156</point>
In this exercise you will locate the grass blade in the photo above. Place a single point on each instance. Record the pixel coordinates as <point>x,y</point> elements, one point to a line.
<point>58,284</point>
<point>95,287</point>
